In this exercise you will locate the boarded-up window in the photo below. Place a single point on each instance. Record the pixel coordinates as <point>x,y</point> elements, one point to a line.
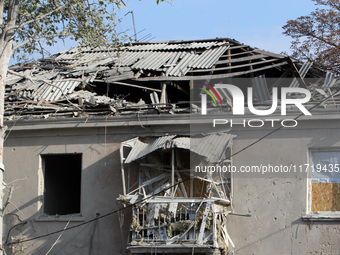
<point>325,181</point>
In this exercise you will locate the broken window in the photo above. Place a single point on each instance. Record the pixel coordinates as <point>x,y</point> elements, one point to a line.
<point>62,183</point>
<point>325,182</point>
<point>177,197</point>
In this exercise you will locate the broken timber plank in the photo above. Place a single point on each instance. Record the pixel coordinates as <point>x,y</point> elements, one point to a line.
<point>148,182</point>
<point>296,72</point>
<point>182,184</point>
<point>213,76</point>
<point>233,67</point>
<point>233,60</point>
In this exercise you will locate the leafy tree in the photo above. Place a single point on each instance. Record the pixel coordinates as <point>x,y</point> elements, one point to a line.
<point>316,37</point>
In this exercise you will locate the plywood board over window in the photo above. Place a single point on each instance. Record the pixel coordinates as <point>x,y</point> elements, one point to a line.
<point>325,181</point>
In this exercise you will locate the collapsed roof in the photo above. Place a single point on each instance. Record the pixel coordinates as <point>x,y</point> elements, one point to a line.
<point>142,77</point>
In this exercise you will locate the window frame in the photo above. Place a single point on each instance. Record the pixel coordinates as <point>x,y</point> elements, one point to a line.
<point>43,216</point>
<point>320,215</point>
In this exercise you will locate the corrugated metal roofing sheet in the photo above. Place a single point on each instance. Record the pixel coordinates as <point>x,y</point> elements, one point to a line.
<point>208,58</point>
<point>213,146</point>
<point>120,77</point>
<point>130,57</point>
<point>30,85</point>
<point>261,89</point>
<point>141,149</point>
<point>146,47</point>
<point>56,91</point>
<point>329,81</point>
<point>183,66</point>
<point>153,61</point>
<point>174,58</point>
<point>194,45</point>
<point>12,79</point>
<point>88,53</point>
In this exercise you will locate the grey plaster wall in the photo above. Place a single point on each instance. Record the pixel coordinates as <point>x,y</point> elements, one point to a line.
<point>275,203</point>
<point>278,203</point>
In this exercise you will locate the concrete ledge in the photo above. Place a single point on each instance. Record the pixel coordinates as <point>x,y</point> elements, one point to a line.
<point>63,218</point>
<point>179,248</point>
<point>321,217</point>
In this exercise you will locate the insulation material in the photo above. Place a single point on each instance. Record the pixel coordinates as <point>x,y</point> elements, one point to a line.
<point>200,186</point>
<point>325,197</point>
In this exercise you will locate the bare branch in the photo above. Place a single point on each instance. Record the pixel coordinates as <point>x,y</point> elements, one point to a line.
<point>312,34</point>
<point>7,201</point>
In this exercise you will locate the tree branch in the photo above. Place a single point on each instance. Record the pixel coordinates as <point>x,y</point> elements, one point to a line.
<point>40,17</point>
<point>7,201</point>
<point>322,39</point>
<point>13,10</point>
<point>2,11</point>
<point>39,37</point>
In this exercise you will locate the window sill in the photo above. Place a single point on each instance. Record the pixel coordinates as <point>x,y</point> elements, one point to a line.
<point>322,216</point>
<point>65,218</point>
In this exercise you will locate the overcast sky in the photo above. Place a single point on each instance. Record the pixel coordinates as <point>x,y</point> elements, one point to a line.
<point>256,23</point>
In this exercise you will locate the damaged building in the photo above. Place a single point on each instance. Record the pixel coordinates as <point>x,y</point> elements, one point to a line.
<point>112,151</point>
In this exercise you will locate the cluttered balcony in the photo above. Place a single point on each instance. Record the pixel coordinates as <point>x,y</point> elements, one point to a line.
<point>178,205</point>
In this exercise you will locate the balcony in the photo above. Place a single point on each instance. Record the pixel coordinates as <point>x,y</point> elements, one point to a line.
<point>176,209</point>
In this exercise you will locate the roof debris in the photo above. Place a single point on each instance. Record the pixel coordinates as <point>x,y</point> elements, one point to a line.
<point>145,78</point>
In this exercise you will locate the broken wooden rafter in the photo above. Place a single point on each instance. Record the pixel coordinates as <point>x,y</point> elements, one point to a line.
<point>229,55</point>
<point>179,88</point>
<point>238,47</point>
<point>214,76</point>
<point>296,72</point>
<point>131,85</point>
<point>234,67</point>
<point>148,182</point>
<point>243,59</point>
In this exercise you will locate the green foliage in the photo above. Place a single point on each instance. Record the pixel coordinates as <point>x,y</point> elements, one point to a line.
<point>92,23</point>
<point>316,37</point>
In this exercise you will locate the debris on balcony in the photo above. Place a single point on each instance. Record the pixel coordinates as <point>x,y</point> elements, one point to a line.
<point>193,212</point>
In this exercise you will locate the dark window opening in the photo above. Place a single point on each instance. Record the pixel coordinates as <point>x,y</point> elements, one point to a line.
<point>62,182</point>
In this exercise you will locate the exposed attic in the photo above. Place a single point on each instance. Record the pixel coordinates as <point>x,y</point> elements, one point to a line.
<point>148,78</point>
